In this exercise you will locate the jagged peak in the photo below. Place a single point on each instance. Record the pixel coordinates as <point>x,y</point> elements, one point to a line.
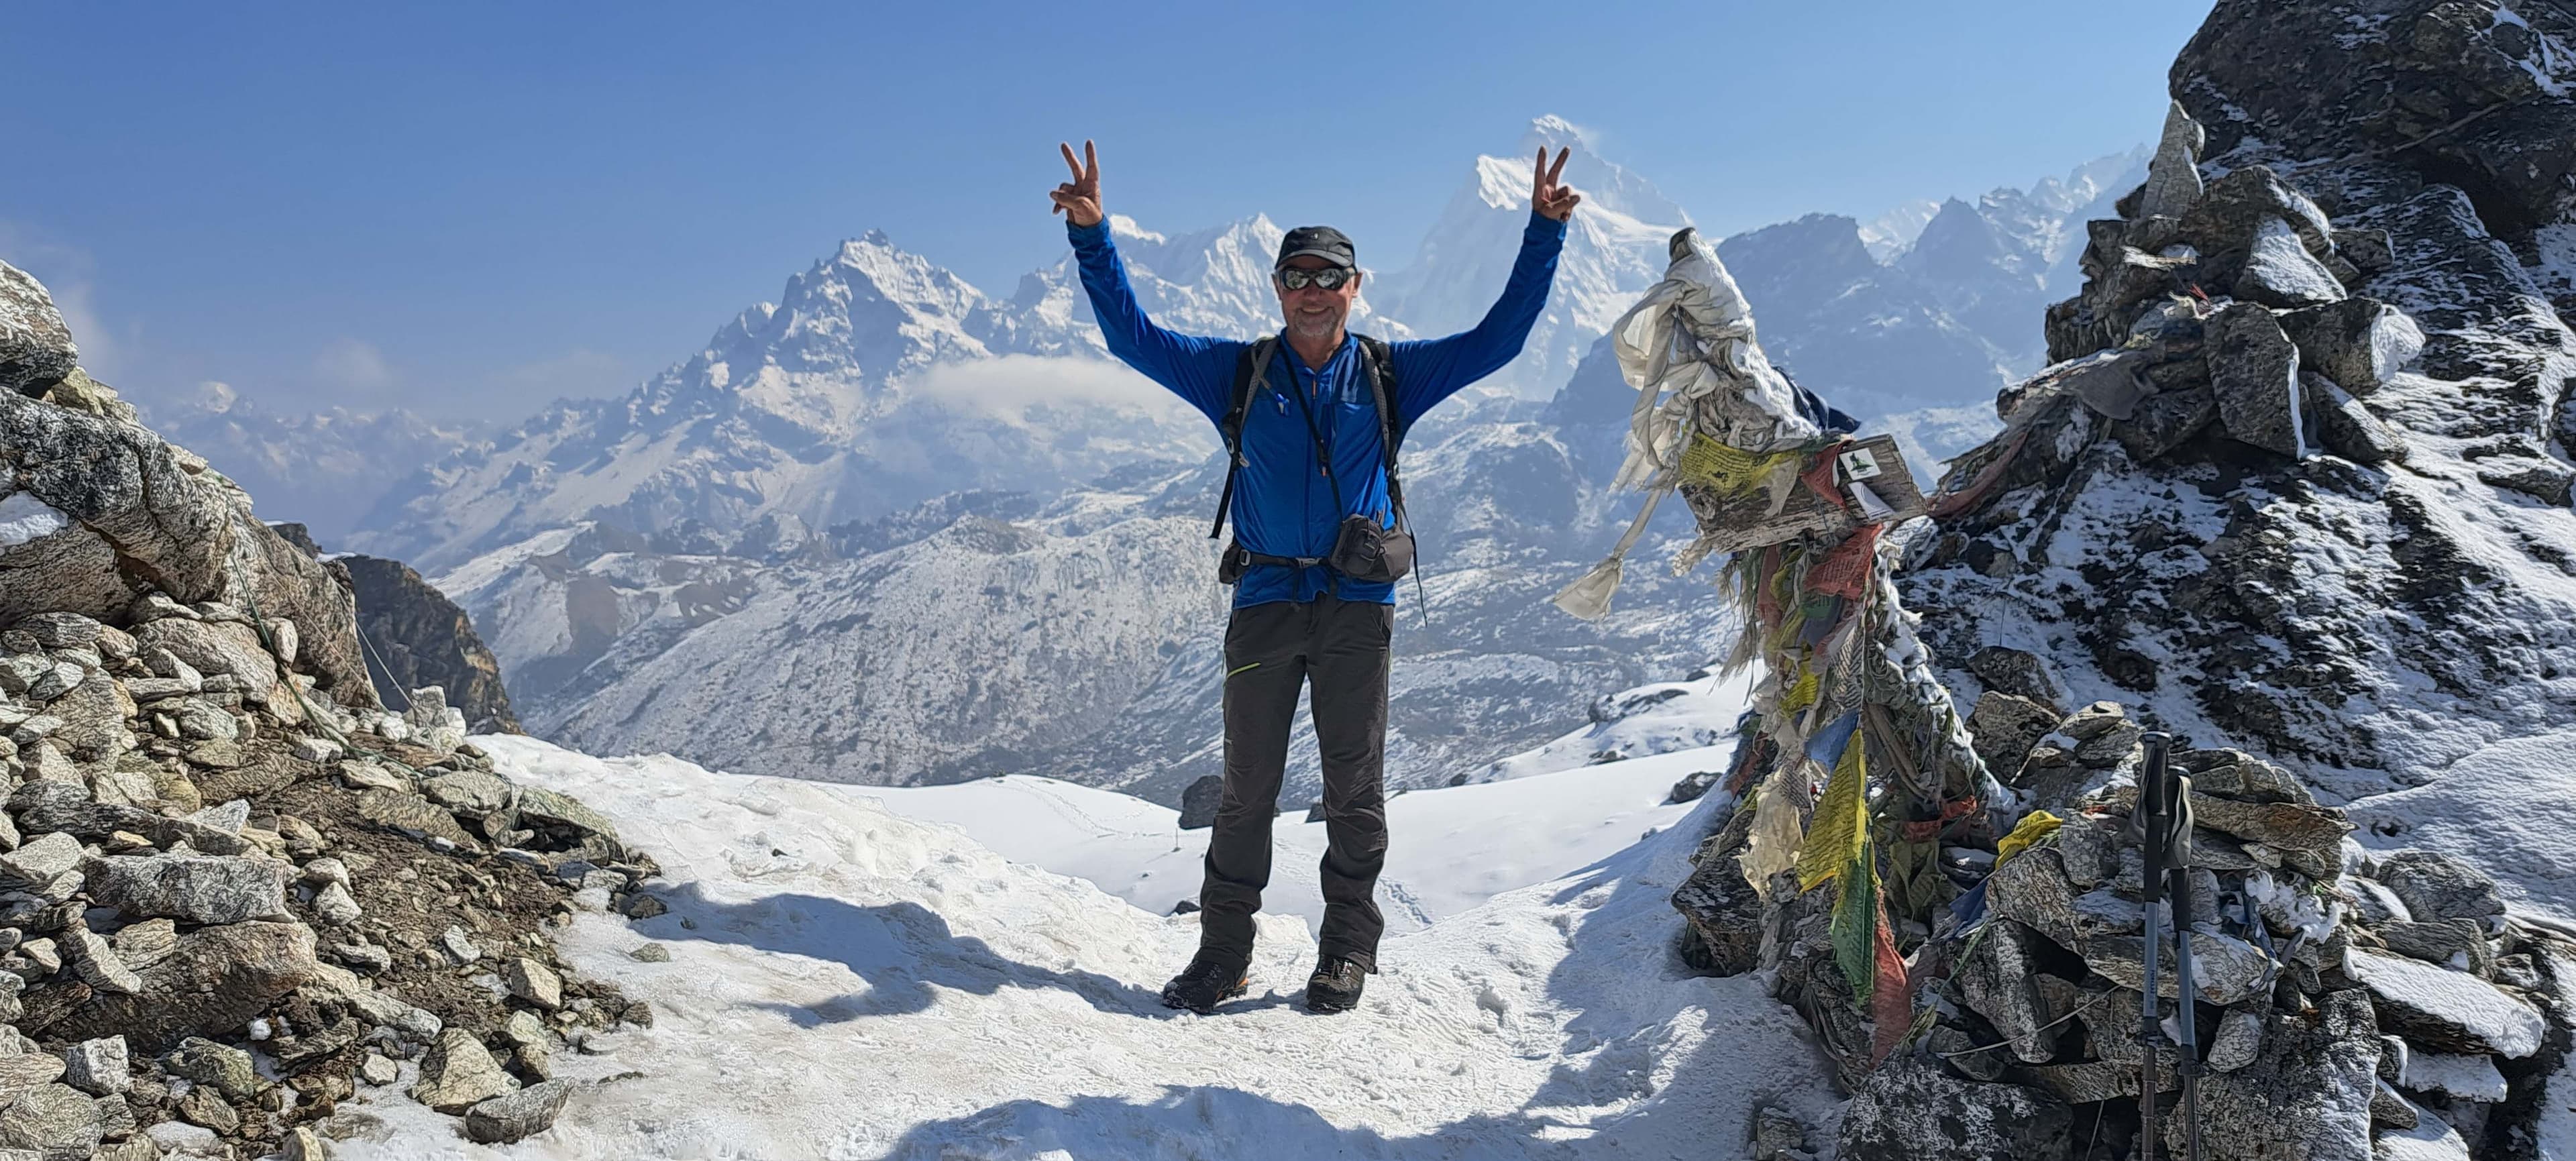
<point>1553,131</point>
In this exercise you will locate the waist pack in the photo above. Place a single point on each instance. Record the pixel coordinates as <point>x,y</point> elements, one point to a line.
<point>1363,549</point>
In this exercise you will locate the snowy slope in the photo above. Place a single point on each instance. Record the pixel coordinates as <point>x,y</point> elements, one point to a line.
<point>1450,850</point>
<point>845,982</point>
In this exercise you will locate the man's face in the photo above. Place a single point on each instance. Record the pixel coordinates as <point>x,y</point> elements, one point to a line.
<point>1314,313</point>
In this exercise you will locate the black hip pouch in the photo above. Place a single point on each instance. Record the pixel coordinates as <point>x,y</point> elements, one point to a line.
<point>1365,550</point>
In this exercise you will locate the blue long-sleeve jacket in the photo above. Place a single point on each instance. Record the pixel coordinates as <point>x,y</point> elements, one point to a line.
<point>1283,506</point>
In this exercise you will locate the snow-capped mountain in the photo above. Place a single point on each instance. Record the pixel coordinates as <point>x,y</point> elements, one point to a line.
<point>326,467</point>
<point>1614,250</point>
<point>1208,282</point>
<point>877,381</point>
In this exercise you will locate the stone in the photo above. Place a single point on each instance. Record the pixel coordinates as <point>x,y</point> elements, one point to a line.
<point>2307,1094</point>
<point>550,810</point>
<point>2348,429</point>
<point>2031,889</point>
<point>2111,747</point>
<point>97,964</point>
<point>651,953</point>
<point>178,1138</point>
<point>230,817</point>
<point>334,906</point>
<point>531,1110</point>
<point>320,751</point>
<point>213,648</point>
<point>2442,1010</point>
<point>205,1106</point>
<point>191,888</point>
<point>1998,979</point>
<point>2238,1041</point>
<point>228,1070</point>
<point>370,776</point>
<point>2236,774</point>
<point>54,1121</point>
<point>303,1144</point>
<point>2389,1109</point>
<point>2433,886</point>
<point>1910,1110</point>
<point>470,793</point>
<point>361,956</point>
<point>2093,721</point>
<point>2086,1082</point>
<point>2458,944</point>
<point>41,860</point>
<point>2005,726</point>
<point>536,983</point>
<point>60,630</point>
<point>643,906</point>
<point>458,947</point>
<point>2359,343</point>
<point>2225,969</point>
<point>410,814</point>
<point>2233,207</point>
<point>1978,1061</point>
<point>1778,1136</point>
<point>2460,1076</point>
<point>22,1074</point>
<point>457,1073</point>
<point>525,1027</point>
<point>2279,272</point>
<point>215,980</point>
<point>36,349</point>
<point>2173,176</point>
<point>2254,374</point>
<point>1199,802</point>
<point>98,1067</point>
<point>378,1070</point>
<point>143,944</point>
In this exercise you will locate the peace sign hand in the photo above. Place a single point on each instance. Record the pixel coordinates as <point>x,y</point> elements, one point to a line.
<point>1079,200</point>
<point>1546,196</point>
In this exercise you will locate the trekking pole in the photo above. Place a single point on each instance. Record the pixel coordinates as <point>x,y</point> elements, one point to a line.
<point>2148,819</point>
<point>2175,841</point>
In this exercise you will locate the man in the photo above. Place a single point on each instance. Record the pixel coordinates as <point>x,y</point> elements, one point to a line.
<point>1312,452</point>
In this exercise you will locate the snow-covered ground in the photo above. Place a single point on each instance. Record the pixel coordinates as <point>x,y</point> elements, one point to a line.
<point>1448,850</point>
<point>848,982</point>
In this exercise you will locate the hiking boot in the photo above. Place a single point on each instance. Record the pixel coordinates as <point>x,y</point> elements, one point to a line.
<point>1335,986</point>
<point>1206,983</point>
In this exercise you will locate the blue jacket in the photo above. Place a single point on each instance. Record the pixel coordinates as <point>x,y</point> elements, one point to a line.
<point>1282,505</point>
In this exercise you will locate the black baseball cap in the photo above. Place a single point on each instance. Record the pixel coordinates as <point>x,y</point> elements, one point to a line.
<point>1323,242</point>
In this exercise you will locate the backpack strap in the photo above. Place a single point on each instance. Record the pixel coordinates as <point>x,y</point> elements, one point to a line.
<point>1377,363</point>
<point>1251,371</point>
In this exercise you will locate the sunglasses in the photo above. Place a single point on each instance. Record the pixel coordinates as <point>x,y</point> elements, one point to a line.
<point>1330,277</point>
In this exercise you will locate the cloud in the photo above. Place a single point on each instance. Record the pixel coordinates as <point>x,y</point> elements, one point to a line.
<point>353,364</point>
<point>1008,386</point>
<point>69,274</point>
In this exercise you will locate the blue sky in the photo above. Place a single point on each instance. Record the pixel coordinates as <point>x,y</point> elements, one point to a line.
<point>475,207</point>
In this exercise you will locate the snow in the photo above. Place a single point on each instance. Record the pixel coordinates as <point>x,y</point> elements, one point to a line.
<point>23,517</point>
<point>1449,850</point>
<point>2474,1078</point>
<point>1652,719</point>
<point>845,982</point>
<point>2511,810</point>
<point>2510,1026</point>
<point>2432,1139</point>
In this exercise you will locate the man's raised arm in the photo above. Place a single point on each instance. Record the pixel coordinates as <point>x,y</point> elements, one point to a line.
<point>1432,370</point>
<point>1199,370</point>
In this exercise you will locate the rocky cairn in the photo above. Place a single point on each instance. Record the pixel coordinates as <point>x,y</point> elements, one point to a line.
<point>2345,1002</point>
<point>235,892</point>
<point>2324,325</point>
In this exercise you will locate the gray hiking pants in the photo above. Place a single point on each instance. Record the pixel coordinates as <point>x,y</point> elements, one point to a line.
<point>1339,649</point>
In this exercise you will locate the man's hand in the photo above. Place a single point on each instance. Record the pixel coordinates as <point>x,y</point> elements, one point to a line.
<point>1548,198</point>
<point>1079,199</point>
